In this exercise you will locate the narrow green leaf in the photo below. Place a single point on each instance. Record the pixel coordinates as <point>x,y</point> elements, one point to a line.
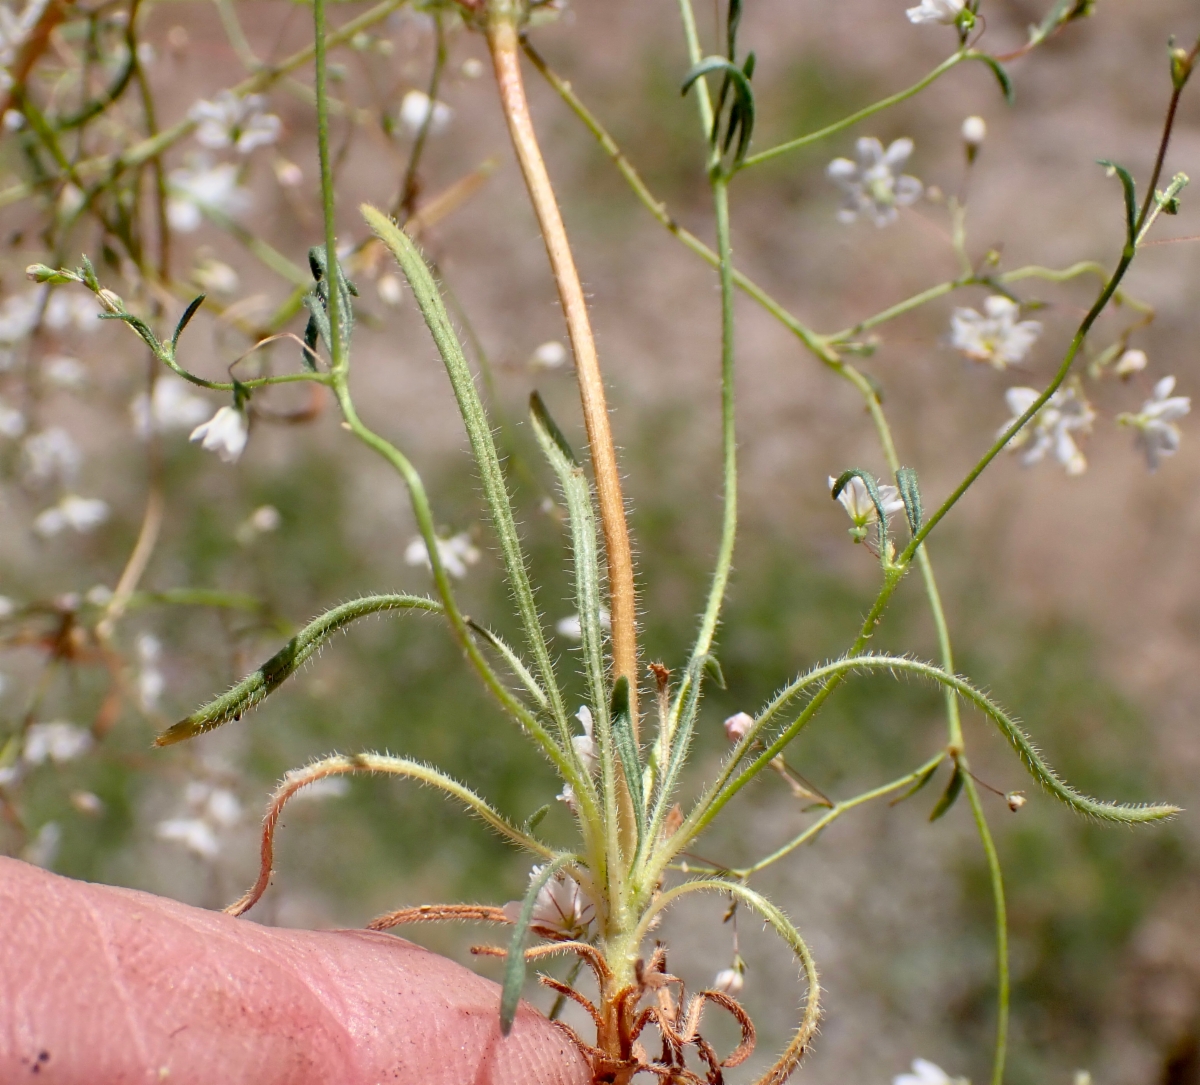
<point>712,667</point>
<point>537,817</point>
<point>514,969</point>
<point>910,494</point>
<point>139,326</point>
<point>631,762</point>
<point>1002,77</point>
<point>260,684</point>
<point>950,795</point>
<point>1129,187</point>
<point>918,785</point>
<point>732,22</point>
<point>541,417</point>
<point>186,319</point>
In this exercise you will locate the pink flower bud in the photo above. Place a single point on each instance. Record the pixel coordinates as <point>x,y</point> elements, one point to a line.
<point>737,726</point>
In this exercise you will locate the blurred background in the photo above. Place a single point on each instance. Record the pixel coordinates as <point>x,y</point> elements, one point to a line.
<point>1073,600</point>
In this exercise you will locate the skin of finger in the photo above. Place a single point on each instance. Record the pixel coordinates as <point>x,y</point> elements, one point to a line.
<point>109,986</point>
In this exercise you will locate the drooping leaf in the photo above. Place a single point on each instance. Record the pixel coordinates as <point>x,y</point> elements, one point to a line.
<point>950,795</point>
<point>626,744</point>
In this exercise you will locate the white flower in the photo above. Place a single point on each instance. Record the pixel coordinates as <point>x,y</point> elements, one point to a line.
<point>571,628</point>
<point>68,309</point>
<point>730,981</point>
<point>150,680</point>
<point>390,289</point>
<point>230,121</point>
<point>50,455</point>
<point>172,405</point>
<point>7,608</point>
<point>997,338</point>
<point>872,185</point>
<point>12,421</point>
<point>87,803</point>
<point>457,553</point>
<point>1156,435</point>
<point>416,107</point>
<point>43,849</point>
<point>1051,429</point>
<point>288,174</point>
<point>936,11</point>
<point>19,316</point>
<point>201,187</point>
<point>194,834</point>
<point>58,742</point>
<point>926,1073</point>
<point>66,372</point>
<point>81,514</point>
<point>737,725</point>
<point>550,355</point>
<point>1131,362</point>
<point>974,132</point>
<point>855,498</point>
<point>215,277</point>
<point>585,744</point>
<point>225,434</point>
<point>560,910</point>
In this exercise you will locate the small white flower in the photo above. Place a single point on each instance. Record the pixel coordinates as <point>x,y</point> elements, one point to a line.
<point>43,849</point>
<point>19,316</point>
<point>936,11</point>
<point>997,338</point>
<point>873,185</point>
<point>172,405</point>
<point>265,519</point>
<point>150,680</point>
<point>416,107</point>
<point>87,803</point>
<point>974,132</point>
<point>585,744</point>
<point>230,121</point>
<point>1131,362</point>
<point>571,628</point>
<point>7,608</point>
<point>457,554</point>
<point>225,434</point>
<point>730,981</point>
<point>99,595</point>
<point>223,808</point>
<point>215,277</point>
<point>926,1073</point>
<point>560,910</point>
<point>81,514</point>
<point>194,834</point>
<point>12,421</point>
<point>390,289</point>
<point>1156,434</point>
<point>737,725</point>
<point>13,120</point>
<point>550,355</point>
<point>65,372</point>
<point>472,68</point>
<point>69,309</point>
<point>58,742</point>
<point>201,187</point>
<point>855,498</point>
<point>1066,412</point>
<point>288,174</point>
<point>50,455</point>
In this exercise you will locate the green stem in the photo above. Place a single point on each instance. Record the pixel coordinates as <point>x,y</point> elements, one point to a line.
<point>996,877</point>
<point>333,301</point>
<point>861,115</point>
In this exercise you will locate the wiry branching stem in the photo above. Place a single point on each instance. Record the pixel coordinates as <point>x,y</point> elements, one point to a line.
<point>504,44</point>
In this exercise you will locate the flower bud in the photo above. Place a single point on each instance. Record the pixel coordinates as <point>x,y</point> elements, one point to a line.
<point>111,302</point>
<point>1181,67</point>
<point>1132,361</point>
<point>40,273</point>
<point>974,132</point>
<point>1015,800</point>
<point>737,726</point>
<point>729,981</point>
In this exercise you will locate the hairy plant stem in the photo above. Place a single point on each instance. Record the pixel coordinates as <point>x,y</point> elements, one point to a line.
<point>333,301</point>
<point>503,42</point>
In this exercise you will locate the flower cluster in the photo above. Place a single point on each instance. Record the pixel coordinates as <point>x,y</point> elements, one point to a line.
<point>1054,428</point>
<point>995,336</point>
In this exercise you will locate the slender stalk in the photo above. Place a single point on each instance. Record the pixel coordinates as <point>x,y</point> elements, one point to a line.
<point>406,202</point>
<point>854,118</point>
<point>333,291</point>
<point>504,44</point>
<point>996,877</point>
